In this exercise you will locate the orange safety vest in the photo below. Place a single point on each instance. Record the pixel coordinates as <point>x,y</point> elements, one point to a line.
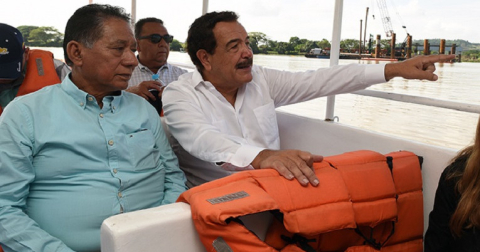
<point>40,72</point>
<point>365,201</point>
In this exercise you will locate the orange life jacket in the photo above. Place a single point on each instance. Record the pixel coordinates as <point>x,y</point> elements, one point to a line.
<point>40,72</point>
<point>365,202</point>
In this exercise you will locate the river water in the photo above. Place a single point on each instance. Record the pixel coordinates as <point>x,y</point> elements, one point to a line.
<point>458,82</point>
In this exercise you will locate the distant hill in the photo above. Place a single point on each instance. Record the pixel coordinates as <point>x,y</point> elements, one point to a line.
<point>459,42</point>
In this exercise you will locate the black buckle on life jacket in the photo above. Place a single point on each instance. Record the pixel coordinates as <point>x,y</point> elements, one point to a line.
<point>299,240</point>
<point>390,162</point>
<point>371,240</point>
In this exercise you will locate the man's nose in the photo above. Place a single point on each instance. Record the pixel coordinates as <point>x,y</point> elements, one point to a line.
<point>247,52</point>
<point>163,42</point>
<point>130,59</point>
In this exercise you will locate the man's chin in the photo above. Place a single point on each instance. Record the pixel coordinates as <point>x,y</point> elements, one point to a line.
<point>161,61</point>
<point>120,85</point>
<point>248,78</point>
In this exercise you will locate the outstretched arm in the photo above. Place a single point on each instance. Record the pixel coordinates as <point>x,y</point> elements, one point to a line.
<point>420,67</point>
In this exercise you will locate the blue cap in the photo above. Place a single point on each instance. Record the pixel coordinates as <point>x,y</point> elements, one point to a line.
<point>12,48</point>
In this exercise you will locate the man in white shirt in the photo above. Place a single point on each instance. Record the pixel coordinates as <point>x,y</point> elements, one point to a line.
<point>153,72</point>
<point>223,114</point>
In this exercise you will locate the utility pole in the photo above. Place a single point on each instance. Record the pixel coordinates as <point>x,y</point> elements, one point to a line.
<point>365,31</point>
<point>134,13</point>
<point>360,41</point>
<point>205,7</point>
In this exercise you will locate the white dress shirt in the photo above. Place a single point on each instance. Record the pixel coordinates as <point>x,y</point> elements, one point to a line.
<point>216,138</point>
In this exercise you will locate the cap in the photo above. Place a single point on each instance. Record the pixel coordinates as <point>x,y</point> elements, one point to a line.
<point>11,52</point>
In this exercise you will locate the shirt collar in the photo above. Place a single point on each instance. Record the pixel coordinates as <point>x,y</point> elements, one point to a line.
<point>145,68</point>
<point>198,78</point>
<point>82,98</point>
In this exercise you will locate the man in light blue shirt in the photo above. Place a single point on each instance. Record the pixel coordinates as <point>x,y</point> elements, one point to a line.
<point>75,153</point>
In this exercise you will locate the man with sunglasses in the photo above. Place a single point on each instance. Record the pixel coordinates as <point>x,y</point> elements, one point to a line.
<point>153,72</point>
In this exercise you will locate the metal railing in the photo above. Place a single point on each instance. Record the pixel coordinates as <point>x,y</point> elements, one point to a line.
<point>465,107</point>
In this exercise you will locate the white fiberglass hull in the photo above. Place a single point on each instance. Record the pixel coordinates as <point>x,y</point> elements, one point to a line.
<point>170,228</point>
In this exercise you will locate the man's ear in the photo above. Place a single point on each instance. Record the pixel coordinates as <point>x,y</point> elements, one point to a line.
<point>138,45</point>
<point>74,52</point>
<point>205,58</point>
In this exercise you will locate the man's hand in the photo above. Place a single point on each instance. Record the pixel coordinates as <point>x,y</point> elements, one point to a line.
<point>290,164</point>
<point>419,67</point>
<point>143,88</point>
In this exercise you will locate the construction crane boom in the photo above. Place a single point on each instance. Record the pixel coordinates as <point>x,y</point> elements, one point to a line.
<point>387,24</point>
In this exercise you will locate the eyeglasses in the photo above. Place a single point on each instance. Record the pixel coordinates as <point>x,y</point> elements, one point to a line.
<point>156,38</point>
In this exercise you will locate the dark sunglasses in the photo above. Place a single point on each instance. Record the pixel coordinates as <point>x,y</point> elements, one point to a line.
<point>156,38</point>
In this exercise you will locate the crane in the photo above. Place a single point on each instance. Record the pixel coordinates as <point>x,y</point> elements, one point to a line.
<point>387,24</point>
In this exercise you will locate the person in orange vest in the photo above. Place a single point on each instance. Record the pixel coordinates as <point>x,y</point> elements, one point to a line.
<point>22,70</point>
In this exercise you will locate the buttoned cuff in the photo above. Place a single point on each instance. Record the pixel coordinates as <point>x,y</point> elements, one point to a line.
<point>245,155</point>
<point>375,73</point>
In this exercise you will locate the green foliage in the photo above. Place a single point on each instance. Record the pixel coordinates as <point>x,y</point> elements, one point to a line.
<point>471,56</point>
<point>458,42</point>
<point>25,30</point>
<point>258,37</point>
<point>323,44</point>
<point>41,36</point>
<point>386,44</point>
<point>260,43</point>
<point>176,46</point>
<point>349,45</point>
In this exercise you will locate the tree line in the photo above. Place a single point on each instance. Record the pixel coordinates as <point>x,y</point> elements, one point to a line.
<point>48,36</point>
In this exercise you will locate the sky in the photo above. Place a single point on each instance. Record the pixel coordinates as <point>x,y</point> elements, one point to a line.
<point>278,19</point>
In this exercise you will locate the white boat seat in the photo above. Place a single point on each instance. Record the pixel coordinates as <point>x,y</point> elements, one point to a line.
<point>164,228</point>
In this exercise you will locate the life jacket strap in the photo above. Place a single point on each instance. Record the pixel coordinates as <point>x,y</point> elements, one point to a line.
<point>371,240</point>
<point>300,241</point>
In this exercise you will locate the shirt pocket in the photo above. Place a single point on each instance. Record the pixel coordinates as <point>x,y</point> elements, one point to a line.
<point>141,145</point>
<point>267,121</point>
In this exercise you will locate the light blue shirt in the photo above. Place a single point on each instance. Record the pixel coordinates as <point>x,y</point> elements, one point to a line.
<point>66,165</point>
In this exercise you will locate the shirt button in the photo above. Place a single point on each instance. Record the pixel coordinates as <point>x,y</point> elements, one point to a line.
<point>119,194</point>
<point>90,98</point>
<point>115,171</point>
<point>110,142</point>
<point>81,104</point>
<point>101,115</point>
